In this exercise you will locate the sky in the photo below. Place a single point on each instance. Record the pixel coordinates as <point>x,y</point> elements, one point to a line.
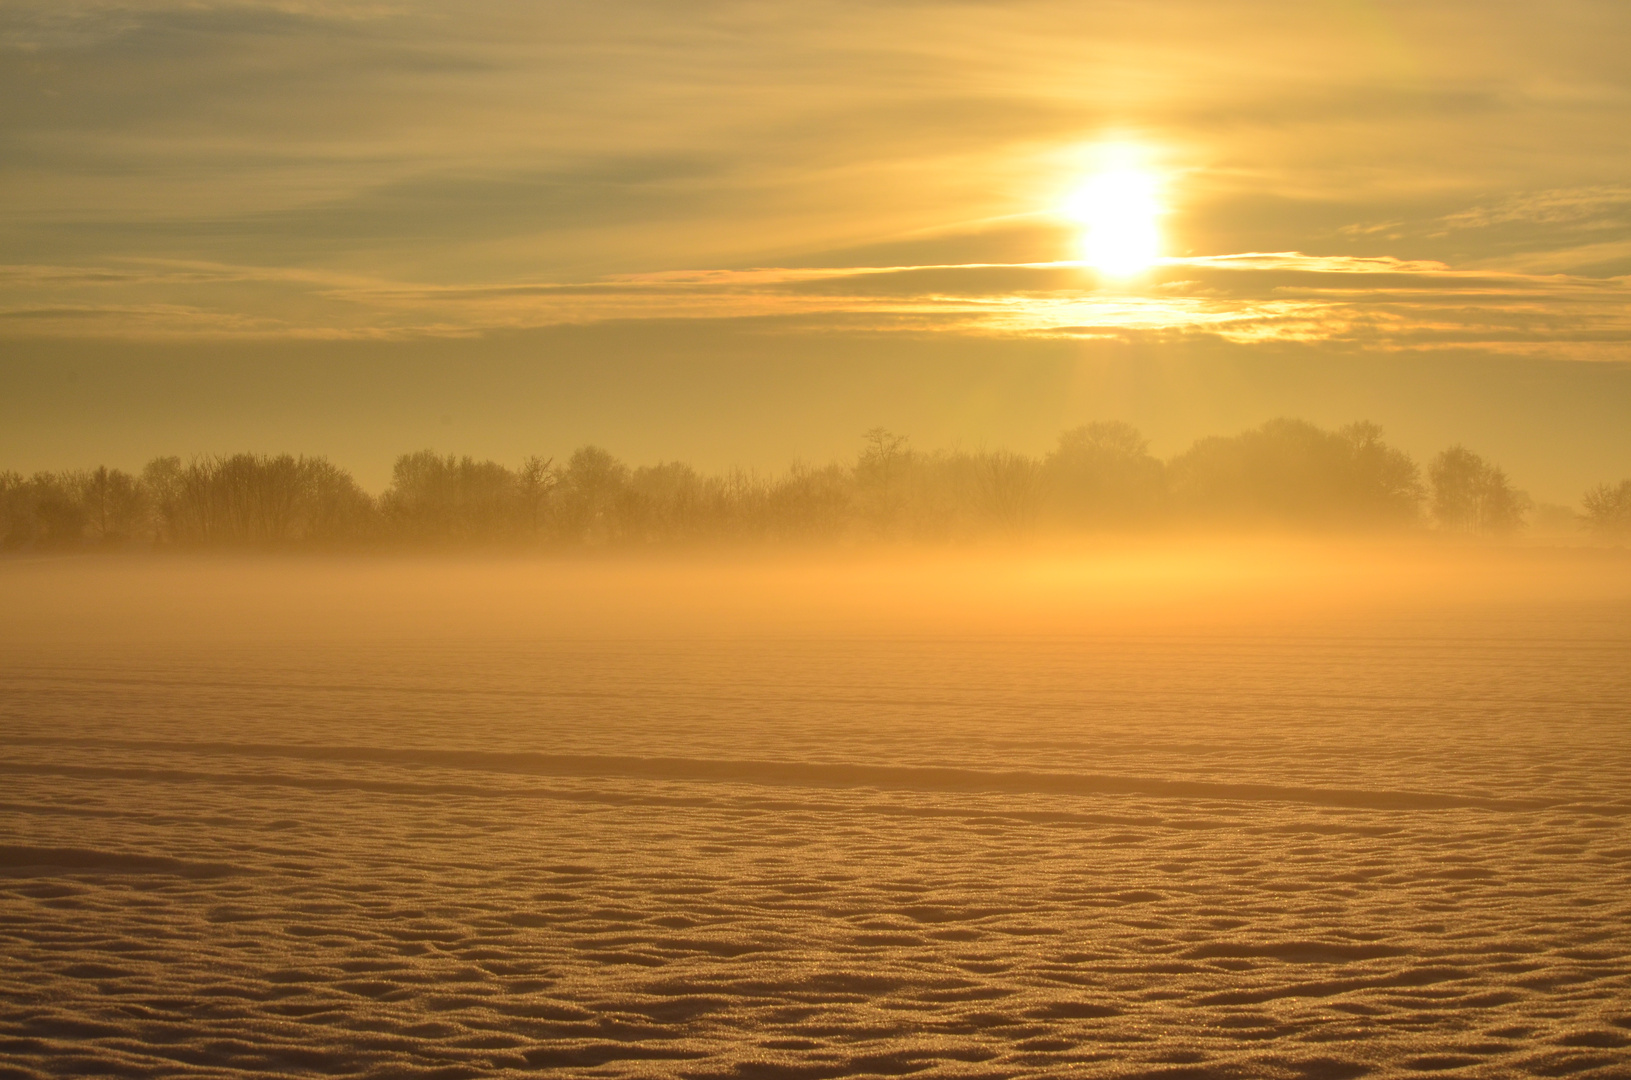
<point>744,232</point>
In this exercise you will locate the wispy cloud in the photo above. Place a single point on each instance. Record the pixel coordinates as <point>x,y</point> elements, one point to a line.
<point>1378,303</point>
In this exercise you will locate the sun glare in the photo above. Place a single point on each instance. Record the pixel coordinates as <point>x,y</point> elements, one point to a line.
<point>1121,208</point>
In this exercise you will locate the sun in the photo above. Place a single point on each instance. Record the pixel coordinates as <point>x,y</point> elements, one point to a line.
<point>1121,209</point>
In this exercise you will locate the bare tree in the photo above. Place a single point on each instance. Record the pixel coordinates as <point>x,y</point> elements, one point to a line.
<point>58,512</point>
<point>1608,509</point>
<point>452,499</point>
<point>16,510</point>
<point>333,508</point>
<point>1472,495</point>
<point>536,481</point>
<point>1103,473</point>
<point>880,477</point>
<point>162,484</point>
<point>115,504</point>
<point>255,499</point>
<point>1294,473</point>
<point>810,503</point>
<point>1010,488</point>
<point>594,488</point>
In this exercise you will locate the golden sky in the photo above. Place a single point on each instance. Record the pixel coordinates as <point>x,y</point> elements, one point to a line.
<point>744,232</point>
<point>1395,175</point>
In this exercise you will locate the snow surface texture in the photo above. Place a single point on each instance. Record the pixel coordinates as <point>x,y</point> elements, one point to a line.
<point>1333,850</point>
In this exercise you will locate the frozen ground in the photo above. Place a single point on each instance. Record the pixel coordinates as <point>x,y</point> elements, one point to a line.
<point>466,822</point>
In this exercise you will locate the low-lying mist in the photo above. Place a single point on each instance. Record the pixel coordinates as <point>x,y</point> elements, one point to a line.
<point>1105,587</point>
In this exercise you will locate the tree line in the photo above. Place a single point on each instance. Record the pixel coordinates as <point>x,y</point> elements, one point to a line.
<point>1286,473</point>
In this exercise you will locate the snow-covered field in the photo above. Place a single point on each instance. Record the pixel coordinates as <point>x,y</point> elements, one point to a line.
<point>1268,814</point>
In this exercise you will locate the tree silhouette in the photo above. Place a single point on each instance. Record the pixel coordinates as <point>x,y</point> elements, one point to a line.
<point>334,509</point>
<point>60,516</point>
<point>880,478</point>
<point>1102,473</point>
<point>593,486</point>
<point>1290,472</point>
<point>809,503</point>
<point>536,480</point>
<point>1011,488</point>
<point>243,499</point>
<point>16,510</point>
<point>671,502</point>
<point>1286,472</point>
<point>1472,495</point>
<point>452,499</point>
<point>114,502</point>
<point>1384,484</point>
<point>1608,509</point>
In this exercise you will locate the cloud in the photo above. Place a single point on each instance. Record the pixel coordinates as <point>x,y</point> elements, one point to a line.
<point>1369,303</point>
<point>1581,230</point>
